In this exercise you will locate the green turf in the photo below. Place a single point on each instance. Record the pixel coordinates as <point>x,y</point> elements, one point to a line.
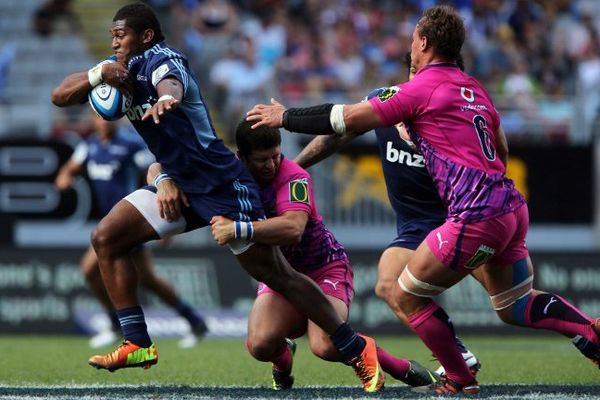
<point>32,360</point>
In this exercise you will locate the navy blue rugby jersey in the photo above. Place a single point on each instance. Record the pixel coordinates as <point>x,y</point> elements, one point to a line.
<point>185,141</point>
<point>410,188</point>
<point>113,168</point>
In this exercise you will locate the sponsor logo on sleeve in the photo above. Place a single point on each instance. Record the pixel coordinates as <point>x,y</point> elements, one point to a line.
<point>388,93</point>
<point>159,73</point>
<point>299,191</point>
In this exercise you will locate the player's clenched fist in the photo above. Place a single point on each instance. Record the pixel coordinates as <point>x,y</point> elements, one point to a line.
<point>222,229</point>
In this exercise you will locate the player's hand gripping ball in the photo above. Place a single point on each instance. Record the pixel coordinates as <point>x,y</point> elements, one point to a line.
<point>109,102</point>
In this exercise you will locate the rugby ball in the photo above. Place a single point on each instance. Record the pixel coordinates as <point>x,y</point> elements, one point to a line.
<point>109,102</point>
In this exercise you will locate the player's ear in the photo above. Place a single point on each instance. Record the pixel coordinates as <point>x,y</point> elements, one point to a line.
<point>147,36</point>
<point>424,43</point>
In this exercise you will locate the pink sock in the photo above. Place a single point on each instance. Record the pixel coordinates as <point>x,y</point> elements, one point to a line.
<point>282,360</point>
<point>433,327</point>
<point>552,312</point>
<point>396,367</point>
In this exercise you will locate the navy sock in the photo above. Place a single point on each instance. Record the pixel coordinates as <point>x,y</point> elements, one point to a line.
<point>347,342</point>
<point>187,312</point>
<point>134,326</point>
<point>587,348</point>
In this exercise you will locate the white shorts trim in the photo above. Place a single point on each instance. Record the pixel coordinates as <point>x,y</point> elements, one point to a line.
<point>145,202</point>
<point>239,246</point>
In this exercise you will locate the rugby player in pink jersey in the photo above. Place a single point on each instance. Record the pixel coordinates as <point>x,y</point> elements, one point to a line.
<point>452,120</point>
<point>294,223</point>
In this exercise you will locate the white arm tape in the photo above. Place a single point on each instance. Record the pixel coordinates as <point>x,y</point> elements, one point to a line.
<point>166,97</point>
<point>95,75</point>
<point>336,118</point>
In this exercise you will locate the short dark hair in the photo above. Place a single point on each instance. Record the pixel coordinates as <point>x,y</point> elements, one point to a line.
<point>139,17</point>
<point>444,29</point>
<point>248,140</point>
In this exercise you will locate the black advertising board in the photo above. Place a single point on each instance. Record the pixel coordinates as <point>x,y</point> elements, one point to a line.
<point>42,291</point>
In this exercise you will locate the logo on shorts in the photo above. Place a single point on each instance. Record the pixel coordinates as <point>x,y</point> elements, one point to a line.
<point>299,191</point>
<point>388,93</point>
<point>440,241</point>
<point>332,283</point>
<point>481,256</point>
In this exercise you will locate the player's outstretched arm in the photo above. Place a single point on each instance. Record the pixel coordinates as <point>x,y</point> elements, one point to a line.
<point>322,147</point>
<point>322,119</point>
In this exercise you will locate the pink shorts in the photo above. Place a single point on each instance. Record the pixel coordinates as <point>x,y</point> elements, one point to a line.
<point>336,280</point>
<point>499,241</point>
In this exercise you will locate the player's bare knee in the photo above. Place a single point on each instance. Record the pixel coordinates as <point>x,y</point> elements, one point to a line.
<point>261,347</point>
<point>100,238</point>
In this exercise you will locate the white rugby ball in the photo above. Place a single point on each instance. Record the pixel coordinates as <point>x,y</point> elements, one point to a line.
<point>109,102</point>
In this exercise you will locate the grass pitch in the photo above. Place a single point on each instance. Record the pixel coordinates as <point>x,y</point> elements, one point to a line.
<point>524,367</point>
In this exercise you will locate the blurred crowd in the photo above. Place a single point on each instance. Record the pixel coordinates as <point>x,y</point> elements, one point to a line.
<point>536,56</point>
<point>539,58</point>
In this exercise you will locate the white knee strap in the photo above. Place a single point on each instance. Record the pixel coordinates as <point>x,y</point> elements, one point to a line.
<point>412,285</point>
<point>507,298</point>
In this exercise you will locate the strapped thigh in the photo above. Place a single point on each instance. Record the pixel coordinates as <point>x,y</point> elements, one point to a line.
<point>412,285</point>
<point>523,285</point>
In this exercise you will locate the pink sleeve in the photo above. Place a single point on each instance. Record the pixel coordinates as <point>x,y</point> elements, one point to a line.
<point>398,103</point>
<point>295,193</point>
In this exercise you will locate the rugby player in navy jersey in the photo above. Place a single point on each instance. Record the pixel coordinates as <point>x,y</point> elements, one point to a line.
<point>113,166</point>
<point>169,113</point>
<point>413,198</point>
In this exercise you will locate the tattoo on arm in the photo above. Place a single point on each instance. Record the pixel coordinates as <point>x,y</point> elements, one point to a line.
<point>170,86</point>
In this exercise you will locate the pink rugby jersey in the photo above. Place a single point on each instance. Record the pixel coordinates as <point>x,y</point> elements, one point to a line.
<point>453,120</point>
<point>292,190</point>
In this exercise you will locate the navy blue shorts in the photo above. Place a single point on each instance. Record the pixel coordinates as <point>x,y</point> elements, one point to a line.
<point>411,233</point>
<point>238,200</point>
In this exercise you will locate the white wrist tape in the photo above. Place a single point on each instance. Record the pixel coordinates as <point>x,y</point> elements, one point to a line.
<point>160,177</point>
<point>336,118</point>
<point>243,230</point>
<point>166,97</point>
<point>95,75</point>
